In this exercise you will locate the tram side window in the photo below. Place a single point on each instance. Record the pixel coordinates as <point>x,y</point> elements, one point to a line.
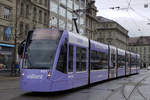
<point>70,67</point>
<point>128,60</point>
<point>99,60</point>
<point>113,61</point>
<point>138,62</point>
<point>121,61</point>
<point>62,61</point>
<point>133,62</point>
<point>80,59</point>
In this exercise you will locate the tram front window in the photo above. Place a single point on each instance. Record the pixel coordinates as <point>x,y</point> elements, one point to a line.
<point>42,49</point>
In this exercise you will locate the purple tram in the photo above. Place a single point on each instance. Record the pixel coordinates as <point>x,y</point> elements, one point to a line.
<point>112,69</point>
<point>138,63</point>
<point>120,62</point>
<point>54,60</point>
<point>127,71</point>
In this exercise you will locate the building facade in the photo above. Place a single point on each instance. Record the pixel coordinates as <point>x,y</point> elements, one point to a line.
<point>141,45</point>
<point>31,14</point>
<point>7,30</point>
<point>17,17</point>
<point>7,19</point>
<point>62,13</point>
<point>112,33</point>
<point>91,20</point>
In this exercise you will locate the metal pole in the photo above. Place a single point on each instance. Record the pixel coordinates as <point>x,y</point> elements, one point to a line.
<point>13,66</point>
<point>85,16</point>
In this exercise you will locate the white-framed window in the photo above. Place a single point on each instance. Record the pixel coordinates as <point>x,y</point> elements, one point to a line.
<point>63,2</point>
<point>69,15</point>
<point>70,4</point>
<point>76,6</point>
<point>6,13</point>
<point>61,24</point>
<point>53,7</point>
<point>62,11</point>
<point>82,20</point>
<point>69,26</point>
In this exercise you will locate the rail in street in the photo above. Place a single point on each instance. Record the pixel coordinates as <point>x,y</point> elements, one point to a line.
<point>130,88</point>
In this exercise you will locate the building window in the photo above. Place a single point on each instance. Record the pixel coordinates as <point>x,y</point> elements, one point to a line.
<point>22,10</point>
<point>53,7</point>
<point>69,15</point>
<point>6,13</point>
<point>63,2</point>
<point>27,11</point>
<point>61,24</point>
<point>40,2</point>
<point>40,16</point>
<point>26,29</point>
<point>7,33</point>
<point>45,18</point>
<point>70,4</point>
<point>35,0</point>
<point>35,14</point>
<point>21,28</point>
<point>62,11</point>
<point>46,2</point>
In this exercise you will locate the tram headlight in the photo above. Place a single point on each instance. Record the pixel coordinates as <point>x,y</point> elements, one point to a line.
<point>48,75</point>
<point>22,73</point>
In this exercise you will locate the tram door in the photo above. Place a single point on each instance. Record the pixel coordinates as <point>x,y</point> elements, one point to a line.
<point>112,62</point>
<point>127,63</point>
<point>138,64</point>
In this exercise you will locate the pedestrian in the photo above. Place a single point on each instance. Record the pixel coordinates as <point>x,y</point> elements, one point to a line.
<point>17,68</point>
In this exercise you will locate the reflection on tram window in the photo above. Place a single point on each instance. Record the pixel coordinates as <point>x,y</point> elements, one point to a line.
<point>80,59</point>
<point>70,67</point>
<point>99,60</point>
<point>62,61</point>
<point>133,62</point>
<point>113,61</point>
<point>121,61</point>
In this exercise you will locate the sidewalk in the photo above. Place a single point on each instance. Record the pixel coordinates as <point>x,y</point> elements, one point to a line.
<point>4,75</point>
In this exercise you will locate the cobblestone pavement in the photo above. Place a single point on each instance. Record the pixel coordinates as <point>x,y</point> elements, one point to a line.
<point>135,87</point>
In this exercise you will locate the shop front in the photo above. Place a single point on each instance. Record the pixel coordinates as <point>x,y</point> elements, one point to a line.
<point>6,56</point>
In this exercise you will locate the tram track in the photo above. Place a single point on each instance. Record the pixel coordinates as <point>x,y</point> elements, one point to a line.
<point>135,89</point>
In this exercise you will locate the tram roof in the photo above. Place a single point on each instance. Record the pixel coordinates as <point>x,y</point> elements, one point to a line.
<point>133,54</point>
<point>77,39</point>
<point>121,51</point>
<point>99,46</point>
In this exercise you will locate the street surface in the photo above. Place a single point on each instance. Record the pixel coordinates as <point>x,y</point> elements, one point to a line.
<point>135,87</point>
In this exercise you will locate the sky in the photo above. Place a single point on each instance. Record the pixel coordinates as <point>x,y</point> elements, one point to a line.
<point>132,14</point>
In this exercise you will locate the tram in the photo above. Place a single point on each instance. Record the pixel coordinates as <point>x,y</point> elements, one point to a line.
<point>54,60</point>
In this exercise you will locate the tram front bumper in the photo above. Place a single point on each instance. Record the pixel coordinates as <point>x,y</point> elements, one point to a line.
<point>35,81</point>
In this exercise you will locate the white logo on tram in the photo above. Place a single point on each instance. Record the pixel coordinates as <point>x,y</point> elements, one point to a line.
<point>33,76</point>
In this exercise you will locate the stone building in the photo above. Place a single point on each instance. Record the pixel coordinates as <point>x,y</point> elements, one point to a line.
<point>31,14</point>
<point>91,20</point>
<point>7,30</point>
<point>7,19</point>
<point>61,14</point>
<point>17,17</point>
<point>110,32</point>
<point>141,45</point>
